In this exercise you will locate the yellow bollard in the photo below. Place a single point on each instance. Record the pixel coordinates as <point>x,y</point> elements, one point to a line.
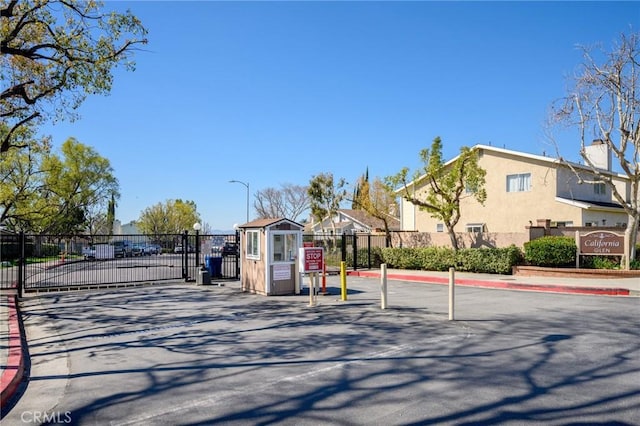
<point>343,279</point>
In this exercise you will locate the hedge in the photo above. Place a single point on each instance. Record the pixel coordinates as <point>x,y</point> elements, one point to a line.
<point>484,260</point>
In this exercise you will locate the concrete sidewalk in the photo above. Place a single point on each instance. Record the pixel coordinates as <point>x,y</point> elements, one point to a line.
<point>12,360</point>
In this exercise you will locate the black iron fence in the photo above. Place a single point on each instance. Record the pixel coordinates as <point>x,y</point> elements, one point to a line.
<point>356,250</point>
<point>54,262</point>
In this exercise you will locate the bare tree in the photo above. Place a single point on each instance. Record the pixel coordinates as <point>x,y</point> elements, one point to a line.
<point>603,103</point>
<point>290,201</point>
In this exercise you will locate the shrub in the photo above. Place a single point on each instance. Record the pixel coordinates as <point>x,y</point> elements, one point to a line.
<point>550,251</point>
<point>487,260</point>
<point>437,258</point>
<point>603,262</point>
<point>49,250</point>
<point>401,258</point>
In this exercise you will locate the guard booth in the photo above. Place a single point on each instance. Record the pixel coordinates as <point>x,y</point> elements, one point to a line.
<point>268,260</point>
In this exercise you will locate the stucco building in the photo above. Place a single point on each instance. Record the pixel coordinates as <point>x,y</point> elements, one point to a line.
<point>525,190</point>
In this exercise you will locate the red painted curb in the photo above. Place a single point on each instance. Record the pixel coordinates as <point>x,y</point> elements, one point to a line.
<point>551,288</point>
<point>12,374</point>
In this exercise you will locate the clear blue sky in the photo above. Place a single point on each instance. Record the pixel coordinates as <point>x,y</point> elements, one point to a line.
<point>276,92</point>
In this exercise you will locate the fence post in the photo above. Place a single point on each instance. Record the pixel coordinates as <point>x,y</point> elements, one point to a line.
<point>185,257</point>
<point>21,265</point>
<point>369,251</point>
<point>355,251</point>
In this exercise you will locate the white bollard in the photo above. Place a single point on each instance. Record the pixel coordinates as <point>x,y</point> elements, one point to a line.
<point>452,285</point>
<point>312,289</point>
<point>383,286</point>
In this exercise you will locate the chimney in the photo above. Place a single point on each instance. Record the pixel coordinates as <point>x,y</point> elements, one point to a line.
<point>599,154</point>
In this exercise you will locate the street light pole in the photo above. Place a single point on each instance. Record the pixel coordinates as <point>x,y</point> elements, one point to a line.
<point>246,184</point>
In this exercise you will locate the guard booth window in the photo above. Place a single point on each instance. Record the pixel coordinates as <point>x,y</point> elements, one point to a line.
<point>284,247</point>
<point>253,245</point>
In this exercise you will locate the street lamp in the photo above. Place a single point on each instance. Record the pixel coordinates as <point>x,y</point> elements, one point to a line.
<point>246,184</point>
<point>196,227</point>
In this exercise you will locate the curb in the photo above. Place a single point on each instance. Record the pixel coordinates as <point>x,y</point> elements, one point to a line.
<point>549,288</point>
<point>13,373</point>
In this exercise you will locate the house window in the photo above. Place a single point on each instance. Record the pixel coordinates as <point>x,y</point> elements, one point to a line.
<point>440,227</point>
<point>519,183</point>
<point>475,228</point>
<point>467,189</point>
<point>253,245</point>
<point>599,188</point>
<point>562,224</point>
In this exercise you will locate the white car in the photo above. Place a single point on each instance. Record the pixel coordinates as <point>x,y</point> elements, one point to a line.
<point>89,252</point>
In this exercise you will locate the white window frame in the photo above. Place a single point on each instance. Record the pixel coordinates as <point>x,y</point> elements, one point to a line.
<point>439,227</point>
<point>519,182</point>
<point>253,244</point>
<point>600,188</point>
<point>475,228</point>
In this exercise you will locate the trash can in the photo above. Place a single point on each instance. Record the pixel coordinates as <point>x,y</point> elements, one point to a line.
<point>203,277</point>
<point>215,266</point>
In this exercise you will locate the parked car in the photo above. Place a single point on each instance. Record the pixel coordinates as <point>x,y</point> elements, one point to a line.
<point>122,248</point>
<point>150,249</point>
<point>137,250</point>
<point>230,249</point>
<point>178,249</point>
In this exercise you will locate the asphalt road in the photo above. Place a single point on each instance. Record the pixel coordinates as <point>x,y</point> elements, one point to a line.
<point>78,273</point>
<point>186,354</point>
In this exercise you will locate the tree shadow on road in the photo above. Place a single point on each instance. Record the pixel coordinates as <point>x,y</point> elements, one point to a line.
<point>247,359</point>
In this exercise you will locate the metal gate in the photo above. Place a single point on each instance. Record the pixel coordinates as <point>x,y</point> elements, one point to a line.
<point>52,262</point>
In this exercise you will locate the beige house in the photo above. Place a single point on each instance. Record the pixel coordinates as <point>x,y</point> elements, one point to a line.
<point>525,190</point>
<point>347,221</point>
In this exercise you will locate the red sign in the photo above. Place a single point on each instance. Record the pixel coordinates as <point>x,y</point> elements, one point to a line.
<point>312,259</point>
<point>307,244</point>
